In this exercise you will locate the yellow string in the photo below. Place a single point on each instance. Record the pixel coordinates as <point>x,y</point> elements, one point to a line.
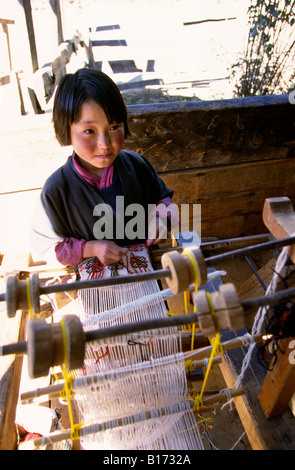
<point>193,393</point>
<point>216,349</point>
<point>204,420</point>
<point>193,337</point>
<point>186,293</point>
<point>172,314</point>
<point>212,310</point>
<point>56,377</point>
<point>68,387</point>
<point>31,311</point>
<point>195,265</point>
<point>65,342</point>
<point>186,327</point>
<point>197,279</point>
<point>185,302</point>
<point>189,365</point>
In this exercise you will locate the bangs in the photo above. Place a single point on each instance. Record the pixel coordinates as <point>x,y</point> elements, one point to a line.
<point>86,85</point>
<point>101,89</point>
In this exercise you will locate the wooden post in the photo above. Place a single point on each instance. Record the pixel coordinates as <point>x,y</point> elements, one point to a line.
<point>60,37</point>
<point>279,218</point>
<point>279,384</point>
<point>31,33</point>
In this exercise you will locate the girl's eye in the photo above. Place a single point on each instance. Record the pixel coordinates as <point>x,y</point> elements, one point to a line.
<point>88,131</point>
<point>116,126</point>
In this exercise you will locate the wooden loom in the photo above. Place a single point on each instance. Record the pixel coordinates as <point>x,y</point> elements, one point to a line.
<point>231,312</point>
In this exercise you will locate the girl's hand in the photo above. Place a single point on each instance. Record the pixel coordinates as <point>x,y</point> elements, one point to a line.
<point>160,235</point>
<point>162,220</point>
<point>106,251</point>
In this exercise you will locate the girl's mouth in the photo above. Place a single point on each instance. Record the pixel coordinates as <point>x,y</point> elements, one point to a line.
<point>103,156</point>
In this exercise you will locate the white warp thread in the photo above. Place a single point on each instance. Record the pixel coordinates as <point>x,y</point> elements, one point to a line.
<point>128,387</point>
<point>142,302</point>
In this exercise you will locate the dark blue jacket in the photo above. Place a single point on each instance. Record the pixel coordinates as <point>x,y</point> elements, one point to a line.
<point>69,200</point>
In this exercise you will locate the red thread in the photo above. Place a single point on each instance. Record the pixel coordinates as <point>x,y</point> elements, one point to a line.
<point>105,354</point>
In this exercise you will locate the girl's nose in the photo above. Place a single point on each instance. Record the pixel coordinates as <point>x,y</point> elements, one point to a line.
<point>103,141</point>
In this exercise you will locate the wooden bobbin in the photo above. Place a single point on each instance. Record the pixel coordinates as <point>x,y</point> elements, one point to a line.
<point>45,345</point>
<point>235,311</point>
<point>11,295</point>
<point>228,312</point>
<point>208,323</point>
<point>183,269</point>
<point>17,294</point>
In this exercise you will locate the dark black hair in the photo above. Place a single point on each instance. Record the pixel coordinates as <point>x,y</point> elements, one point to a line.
<point>74,90</point>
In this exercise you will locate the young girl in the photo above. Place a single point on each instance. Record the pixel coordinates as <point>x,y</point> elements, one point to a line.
<point>87,205</point>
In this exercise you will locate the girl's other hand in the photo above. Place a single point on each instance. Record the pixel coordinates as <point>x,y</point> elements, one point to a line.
<point>106,251</point>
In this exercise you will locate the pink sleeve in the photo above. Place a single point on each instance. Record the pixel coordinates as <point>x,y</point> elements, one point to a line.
<point>69,251</point>
<point>167,201</point>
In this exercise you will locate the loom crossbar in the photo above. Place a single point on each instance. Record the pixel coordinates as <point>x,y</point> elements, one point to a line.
<point>100,427</point>
<point>21,288</point>
<point>179,320</point>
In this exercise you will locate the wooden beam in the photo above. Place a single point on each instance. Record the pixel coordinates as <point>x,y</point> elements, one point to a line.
<point>279,384</point>
<point>212,134</point>
<point>60,37</point>
<point>279,218</point>
<point>232,197</point>
<point>5,24</point>
<point>4,21</point>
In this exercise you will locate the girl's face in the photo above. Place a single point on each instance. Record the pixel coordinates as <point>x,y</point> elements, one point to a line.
<point>94,140</point>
